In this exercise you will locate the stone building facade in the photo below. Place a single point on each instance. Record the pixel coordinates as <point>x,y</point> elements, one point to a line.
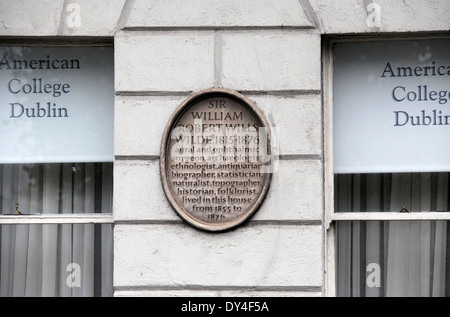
<point>277,54</point>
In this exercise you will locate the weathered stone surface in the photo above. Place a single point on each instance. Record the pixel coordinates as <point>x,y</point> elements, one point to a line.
<point>217,13</point>
<point>350,16</point>
<point>168,255</point>
<point>298,120</point>
<point>30,17</point>
<point>164,62</point>
<point>271,61</point>
<point>58,17</point>
<point>240,292</point>
<point>135,130</point>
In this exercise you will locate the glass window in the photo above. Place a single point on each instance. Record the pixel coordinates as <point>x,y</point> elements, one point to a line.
<point>56,188</point>
<point>391,150</point>
<point>393,258</point>
<point>391,106</point>
<point>56,167</point>
<point>395,192</point>
<point>56,260</point>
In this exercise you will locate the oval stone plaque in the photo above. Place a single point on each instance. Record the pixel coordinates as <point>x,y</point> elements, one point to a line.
<point>216,159</point>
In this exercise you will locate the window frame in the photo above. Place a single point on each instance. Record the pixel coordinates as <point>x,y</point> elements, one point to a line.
<point>96,217</point>
<point>330,216</point>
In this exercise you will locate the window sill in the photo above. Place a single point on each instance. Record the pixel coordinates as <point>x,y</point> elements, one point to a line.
<point>56,218</point>
<point>432,215</point>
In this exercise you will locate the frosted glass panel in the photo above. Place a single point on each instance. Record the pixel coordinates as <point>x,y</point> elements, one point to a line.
<point>391,106</point>
<point>56,104</point>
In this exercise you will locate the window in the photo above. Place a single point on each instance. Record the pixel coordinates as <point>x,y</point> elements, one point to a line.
<point>388,167</point>
<point>56,167</point>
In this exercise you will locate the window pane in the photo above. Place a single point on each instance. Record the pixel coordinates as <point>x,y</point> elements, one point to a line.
<point>56,260</point>
<point>393,258</point>
<point>57,104</point>
<point>391,106</point>
<point>56,188</point>
<point>391,192</point>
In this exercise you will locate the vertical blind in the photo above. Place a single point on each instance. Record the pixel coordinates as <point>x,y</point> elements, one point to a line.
<point>50,259</point>
<point>56,260</point>
<point>390,192</point>
<point>413,256</point>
